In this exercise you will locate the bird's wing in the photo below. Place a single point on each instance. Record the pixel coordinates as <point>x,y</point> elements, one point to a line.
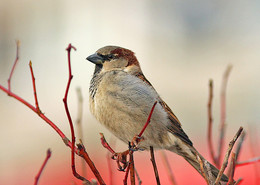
<point>175,127</point>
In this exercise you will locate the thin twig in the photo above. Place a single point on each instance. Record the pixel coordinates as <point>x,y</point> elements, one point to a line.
<point>109,164</point>
<point>79,125</point>
<point>249,161</point>
<point>138,177</point>
<point>225,162</point>
<point>232,167</point>
<point>238,181</point>
<point>126,175</point>
<point>37,177</point>
<point>154,166</point>
<point>80,113</point>
<point>65,139</point>
<point>73,139</point>
<point>168,167</point>
<point>237,150</point>
<point>105,143</point>
<point>132,168</point>
<point>239,144</point>
<point>14,65</point>
<point>210,122</point>
<point>148,120</point>
<point>34,89</point>
<point>84,154</point>
<point>223,114</point>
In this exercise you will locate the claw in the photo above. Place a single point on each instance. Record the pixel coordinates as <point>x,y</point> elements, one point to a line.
<point>133,146</point>
<point>121,158</point>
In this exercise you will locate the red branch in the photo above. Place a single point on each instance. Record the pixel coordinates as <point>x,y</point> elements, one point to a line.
<point>79,151</point>
<point>148,120</point>
<point>37,177</point>
<point>73,139</point>
<point>126,174</point>
<point>15,62</point>
<point>105,144</point>
<point>34,89</point>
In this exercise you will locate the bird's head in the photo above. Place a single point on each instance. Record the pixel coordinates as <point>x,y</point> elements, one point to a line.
<point>111,58</point>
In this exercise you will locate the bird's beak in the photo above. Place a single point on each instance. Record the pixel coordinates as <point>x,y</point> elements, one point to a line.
<point>96,59</point>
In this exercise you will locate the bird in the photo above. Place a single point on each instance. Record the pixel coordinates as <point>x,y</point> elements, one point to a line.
<point>120,98</point>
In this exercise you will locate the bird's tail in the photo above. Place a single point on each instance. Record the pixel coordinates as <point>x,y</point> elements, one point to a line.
<point>191,155</point>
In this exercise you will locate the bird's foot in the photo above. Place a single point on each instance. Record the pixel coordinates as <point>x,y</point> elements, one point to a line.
<point>121,159</point>
<point>133,146</point>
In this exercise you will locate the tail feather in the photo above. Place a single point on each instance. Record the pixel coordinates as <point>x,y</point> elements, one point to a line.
<point>190,155</point>
<point>213,170</point>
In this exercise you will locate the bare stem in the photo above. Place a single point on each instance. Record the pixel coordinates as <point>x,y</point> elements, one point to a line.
<point>37,177</point>
<point>148,120</point>
<point>168,167</point>
<point>223,114</point>
<point>73,139</point>
<point>14,65</point>
<point>225,162</point>
<point>232,167</point>
<point>210,122</point>
<point>249,161</point>
<point>34,89</point>
<point>154,166</point>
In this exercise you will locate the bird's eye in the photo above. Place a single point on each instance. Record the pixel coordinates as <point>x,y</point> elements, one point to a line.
<point>110,56</point>
<point>107,57</point>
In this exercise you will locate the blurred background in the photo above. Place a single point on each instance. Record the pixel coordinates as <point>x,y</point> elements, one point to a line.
<point>180,45</point>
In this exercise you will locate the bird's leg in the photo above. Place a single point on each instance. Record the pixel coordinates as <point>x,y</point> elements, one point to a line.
<point>121,157</point>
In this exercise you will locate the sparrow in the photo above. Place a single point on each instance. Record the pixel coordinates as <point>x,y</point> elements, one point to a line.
<point>121,99</point>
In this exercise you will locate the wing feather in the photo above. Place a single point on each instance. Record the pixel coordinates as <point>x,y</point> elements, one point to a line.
<point>175,127</point>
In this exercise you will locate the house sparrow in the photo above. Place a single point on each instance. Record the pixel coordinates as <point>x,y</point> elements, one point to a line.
<point>121,99</point>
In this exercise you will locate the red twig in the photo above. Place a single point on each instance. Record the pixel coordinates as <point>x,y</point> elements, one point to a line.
<point>105,144</point>
<point>148,120</point>
<point>46,119</point>
<point>15,62</point>
<point>126,175</point>
<point>81,152</point>
<point>37,177</point>
<point>73,139</point>
<point>109,164</point>
<point>210,122</point>
<point>84,154</point>
<point>223,114</point>
<point>34,89</point>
